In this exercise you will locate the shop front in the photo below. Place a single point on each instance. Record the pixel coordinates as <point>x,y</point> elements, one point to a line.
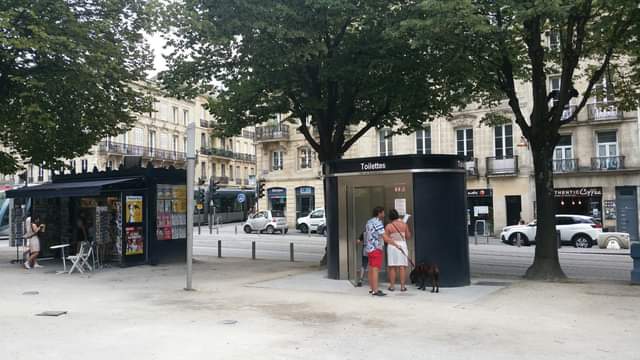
<point>479,210</point>
<point>129,217</point>
<point>305,200</point>
<point>277,197</point>
<point>579,201</point>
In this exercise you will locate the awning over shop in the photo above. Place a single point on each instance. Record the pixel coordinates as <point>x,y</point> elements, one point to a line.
<point>72,188</point>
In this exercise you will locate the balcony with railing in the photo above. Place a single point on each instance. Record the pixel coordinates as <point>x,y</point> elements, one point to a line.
<point>248,134</point>
<point>272,133</point>
<point>502,166</point>
<point>110,147</point>
<point>603,111</point>
<point>561,166</point>
<point>606,163</point>
<point>223,180</point>
<point>216,152</point>
<point>471,165</point>
<point>244,157</point>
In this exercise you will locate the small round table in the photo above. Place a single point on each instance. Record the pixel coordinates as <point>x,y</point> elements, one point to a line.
<point>64,259</point>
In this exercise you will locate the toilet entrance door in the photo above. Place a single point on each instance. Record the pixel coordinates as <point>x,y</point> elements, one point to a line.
<point>360,203</point>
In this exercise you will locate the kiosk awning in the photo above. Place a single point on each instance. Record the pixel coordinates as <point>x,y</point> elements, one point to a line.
<point>70,189</point>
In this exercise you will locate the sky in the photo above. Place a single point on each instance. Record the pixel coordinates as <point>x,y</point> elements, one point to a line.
<point>157,42</point>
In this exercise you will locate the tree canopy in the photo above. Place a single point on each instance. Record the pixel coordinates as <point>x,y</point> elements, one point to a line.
<point>336,63</point>
<point>581,42</point>
<point>66,69</point>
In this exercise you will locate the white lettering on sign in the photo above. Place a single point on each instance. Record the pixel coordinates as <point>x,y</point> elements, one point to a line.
<point>373,166</point>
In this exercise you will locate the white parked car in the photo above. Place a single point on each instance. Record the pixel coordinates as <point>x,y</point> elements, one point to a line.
<point>311,221</point>
<point>577,230</point>
<point>268,221</point>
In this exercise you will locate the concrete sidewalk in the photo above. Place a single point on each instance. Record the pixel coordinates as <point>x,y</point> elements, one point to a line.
<point>245,309</point>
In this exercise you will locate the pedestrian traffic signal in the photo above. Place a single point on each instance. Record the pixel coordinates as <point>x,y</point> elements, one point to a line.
<point>200,196</point>
<point>213,187</point>
<point>261,189</point>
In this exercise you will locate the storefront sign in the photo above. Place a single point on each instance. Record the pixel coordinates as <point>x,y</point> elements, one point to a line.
<point>277,193</point>
<point>480,210</point>
<point>480,193</point>
<point>305,190</point>
<point>134,209</point>
<point>578,192</point>
<point>388,163</point>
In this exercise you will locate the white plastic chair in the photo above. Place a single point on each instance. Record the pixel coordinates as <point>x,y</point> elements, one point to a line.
<point>80,261</point>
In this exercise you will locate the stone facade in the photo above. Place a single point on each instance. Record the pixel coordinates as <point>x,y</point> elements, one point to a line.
<point>599,154</point>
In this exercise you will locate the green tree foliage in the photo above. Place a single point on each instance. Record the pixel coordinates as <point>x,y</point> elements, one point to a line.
<point>335,62</point>
<point>506,41</point>
<point>66,67</point>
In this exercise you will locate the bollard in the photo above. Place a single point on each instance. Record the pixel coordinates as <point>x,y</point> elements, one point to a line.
<point>309,232</point>
<point>518,240</point>
<point>219,248</point>
<point>475,236</point>
<point>217,230</point>
<point>635,255</point>
<point>559,239</point>
<point>253,250</point>
<point>291,251</point>
<point>236,229</point>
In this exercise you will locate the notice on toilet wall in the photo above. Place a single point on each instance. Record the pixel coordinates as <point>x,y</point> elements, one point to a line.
<point>401,206</point>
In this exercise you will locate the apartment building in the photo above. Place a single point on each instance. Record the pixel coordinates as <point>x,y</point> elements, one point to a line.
<point>160,138</point>
<point>596,164</point>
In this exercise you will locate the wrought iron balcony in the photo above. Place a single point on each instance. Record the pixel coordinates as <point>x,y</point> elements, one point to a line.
<point>607,163</point>
<point>244,157</point>
<point>565,165</point>
<point>248,134</point>
<point>223,180</point>
<point>497,166</point>
<point>106,147</point>
<point>604,111</point>
<point>272,133</point>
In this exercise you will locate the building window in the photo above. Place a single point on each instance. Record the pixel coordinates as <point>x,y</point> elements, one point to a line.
<point>40,173</point>
<point>306,158</point>
<point>175,115</point>
<point>231,172</point>
<point>238,173</point>
<point>152,139</point>
<point>277,160</point>
<point>385,140</point>
<point>203,140</point>
<point>84,163</point>
<point>185,117</point>
<point>109,164</point>
<point>253,173</point>
<point>503,141</point>
<point>223,170</point>
<point>213,170</point>
<point>423,141</point>
<point>175,143</point>
<point>563,155</point>
<point>554,39</point>
<point>203,170</point>
<point>607,144</point>
<point>464,142</point>
<point>184,145</point>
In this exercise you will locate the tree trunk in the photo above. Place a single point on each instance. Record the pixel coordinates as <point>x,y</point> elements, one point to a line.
<point>546,264</point>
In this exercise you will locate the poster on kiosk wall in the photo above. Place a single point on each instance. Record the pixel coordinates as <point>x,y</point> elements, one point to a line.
<point>134,209</point>
<point>135,240</point>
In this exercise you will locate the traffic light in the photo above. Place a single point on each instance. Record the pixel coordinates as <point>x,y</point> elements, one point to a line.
<point>213,187</point>
<point>261,189</point>
<point>200,196</point>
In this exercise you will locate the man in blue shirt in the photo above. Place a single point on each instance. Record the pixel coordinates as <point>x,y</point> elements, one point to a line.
<point>373,243</point>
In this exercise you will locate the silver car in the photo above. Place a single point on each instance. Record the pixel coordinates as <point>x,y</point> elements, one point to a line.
<point>269,221</point>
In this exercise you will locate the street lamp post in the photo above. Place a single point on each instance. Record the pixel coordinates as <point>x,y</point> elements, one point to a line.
<point>191,169</point>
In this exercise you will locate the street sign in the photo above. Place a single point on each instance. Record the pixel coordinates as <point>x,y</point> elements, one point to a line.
<point>241,198</point>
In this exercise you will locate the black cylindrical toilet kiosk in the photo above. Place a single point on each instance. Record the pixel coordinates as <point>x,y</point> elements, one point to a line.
<point>429,189</point>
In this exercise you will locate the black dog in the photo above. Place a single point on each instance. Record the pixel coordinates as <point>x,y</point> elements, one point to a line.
<point>423,271</point>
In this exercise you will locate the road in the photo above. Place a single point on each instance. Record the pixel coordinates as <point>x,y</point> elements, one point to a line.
<point>488,258</point>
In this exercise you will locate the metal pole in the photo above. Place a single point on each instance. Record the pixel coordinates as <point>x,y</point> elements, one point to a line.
<point>199,221</point>
<point>291,251</point>
<point>191,169</point>
<point>518,239</point>
<point>253,250</point>
<point>219,248</point>
<point>210,217</point>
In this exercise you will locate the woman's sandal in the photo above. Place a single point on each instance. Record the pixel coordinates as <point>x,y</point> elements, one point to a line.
<point>403,289</point>
<point>391,289</point>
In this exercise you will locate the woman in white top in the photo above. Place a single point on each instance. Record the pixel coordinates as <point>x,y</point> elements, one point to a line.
<point>34,228</point>
<point>396,234</point>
